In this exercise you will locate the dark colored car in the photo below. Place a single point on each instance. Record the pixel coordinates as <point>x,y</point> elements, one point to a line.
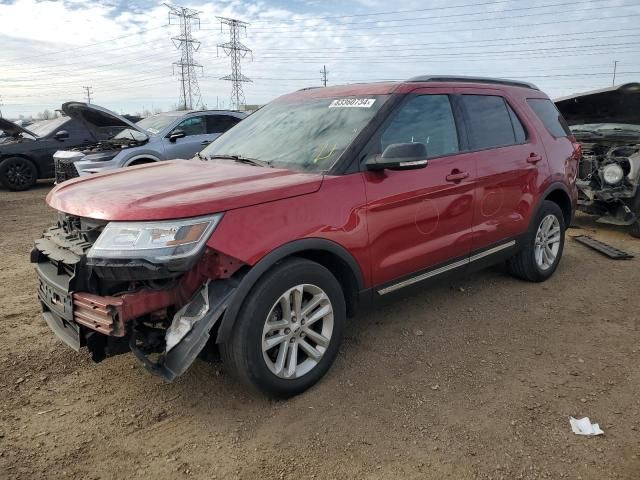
<point>607,124</point>
<point>27,154</point>
<point>320,204</point>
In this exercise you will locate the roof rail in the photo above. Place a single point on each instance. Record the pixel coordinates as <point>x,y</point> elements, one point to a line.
<point>455,78</point>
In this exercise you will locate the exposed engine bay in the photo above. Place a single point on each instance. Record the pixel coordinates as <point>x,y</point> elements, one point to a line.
<point>109,145</point>
<point>607,124</point>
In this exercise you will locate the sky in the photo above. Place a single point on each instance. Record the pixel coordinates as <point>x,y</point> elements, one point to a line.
<point>123,49</point>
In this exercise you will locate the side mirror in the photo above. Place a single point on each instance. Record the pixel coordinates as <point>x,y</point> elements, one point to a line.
<point>61,135</point>
<point>176,134</point>
<point>400,156</point>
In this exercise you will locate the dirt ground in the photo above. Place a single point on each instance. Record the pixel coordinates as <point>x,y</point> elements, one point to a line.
<point>472,380</point>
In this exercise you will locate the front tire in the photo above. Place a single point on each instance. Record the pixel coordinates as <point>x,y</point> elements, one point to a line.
<point>18,174</point>
<point>289,329</point>
<point>542,251</point>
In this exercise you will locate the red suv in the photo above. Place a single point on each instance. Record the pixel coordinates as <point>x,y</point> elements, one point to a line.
<point>321,203</point>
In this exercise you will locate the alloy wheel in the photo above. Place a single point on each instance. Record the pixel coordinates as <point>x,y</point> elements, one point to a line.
<point>19,174</point>
<point>547,242</point>
<point>297,331</point>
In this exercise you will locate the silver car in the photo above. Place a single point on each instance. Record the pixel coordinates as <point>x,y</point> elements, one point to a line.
<point>164,136</point>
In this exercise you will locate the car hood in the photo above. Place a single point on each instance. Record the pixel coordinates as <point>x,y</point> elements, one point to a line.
<point>98,119</point>
<point>177,189</point>
<point>13,129</point>
<point>609,105</point>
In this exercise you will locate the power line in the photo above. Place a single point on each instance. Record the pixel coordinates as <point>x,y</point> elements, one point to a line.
<point>88,92</point>
<point>371,23</point>
<point>189,88</point>
<point>235,49</point>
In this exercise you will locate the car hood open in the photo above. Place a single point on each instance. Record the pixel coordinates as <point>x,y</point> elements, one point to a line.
<point>98,119</point>
<point>177,189</point>
<point>13,129</point>
<point>609,105</point>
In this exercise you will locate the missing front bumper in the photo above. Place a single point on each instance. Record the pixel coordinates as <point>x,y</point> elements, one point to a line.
<point>176,361</point>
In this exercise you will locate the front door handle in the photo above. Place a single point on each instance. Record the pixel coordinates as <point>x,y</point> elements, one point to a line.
<point>456,176</point>
<point>205,142</point>
<point>534,158</point>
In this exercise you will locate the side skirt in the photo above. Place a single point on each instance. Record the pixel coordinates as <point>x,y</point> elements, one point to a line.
<point>476,261</point>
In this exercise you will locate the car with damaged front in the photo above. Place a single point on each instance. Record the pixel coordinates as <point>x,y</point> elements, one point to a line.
<point>320,204</point>
<point>26,154</point>
<point>164,136</point>
<point>607,124</point>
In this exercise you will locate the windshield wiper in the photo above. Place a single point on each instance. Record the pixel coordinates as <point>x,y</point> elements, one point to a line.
<point>241,159</point>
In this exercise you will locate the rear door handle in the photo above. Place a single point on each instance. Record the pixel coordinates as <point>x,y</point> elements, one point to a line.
<point>205,142</point>
<point>456,176</point>
<point>534,158</point>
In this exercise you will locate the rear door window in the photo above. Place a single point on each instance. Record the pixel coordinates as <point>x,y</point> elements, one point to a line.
<point>552,119</point>
<point>220,123</point>
<point>427,119</point>
<point>490,122</point>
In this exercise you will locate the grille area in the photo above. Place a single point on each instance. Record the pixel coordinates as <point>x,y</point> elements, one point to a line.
<point>65,171</point>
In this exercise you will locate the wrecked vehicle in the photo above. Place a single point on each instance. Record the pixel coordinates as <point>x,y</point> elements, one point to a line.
<point>319,204</point>
<point>607,124</point>
<point>27,154</point>
<point>164,136</point>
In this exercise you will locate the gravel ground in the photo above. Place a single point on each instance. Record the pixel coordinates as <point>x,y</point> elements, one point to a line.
<point>472,380</point>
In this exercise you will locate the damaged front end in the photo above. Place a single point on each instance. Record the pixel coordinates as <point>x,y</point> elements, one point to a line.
<point>160,303</point>
<point>609,182</point>
<point>607,124</point>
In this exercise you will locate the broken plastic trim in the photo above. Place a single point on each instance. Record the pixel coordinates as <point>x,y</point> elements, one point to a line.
<point>185,318</point>
<point>175,362</point>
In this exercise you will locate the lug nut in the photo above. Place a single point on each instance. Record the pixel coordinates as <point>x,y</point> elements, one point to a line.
<point>287,331</point>
<point>293,340</point>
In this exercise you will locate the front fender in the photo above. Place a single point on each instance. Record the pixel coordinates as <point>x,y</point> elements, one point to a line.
<point>249,278</point>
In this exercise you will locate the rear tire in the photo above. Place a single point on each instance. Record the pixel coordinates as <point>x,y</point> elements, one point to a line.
<point>18,174</point>
<point>542,251</point>
<point>282,346</point>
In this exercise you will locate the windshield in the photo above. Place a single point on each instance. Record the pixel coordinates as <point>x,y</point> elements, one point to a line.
<point>153,124</point>
<point>307,135</point>
<point>45,127</point>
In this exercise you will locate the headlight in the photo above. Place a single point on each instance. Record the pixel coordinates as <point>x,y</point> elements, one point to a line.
<point>154,241</point>
<point>612,173</point>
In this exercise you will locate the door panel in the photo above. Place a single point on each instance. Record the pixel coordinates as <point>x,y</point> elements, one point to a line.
<point>507,176</point>
<point>417,219</point>
<point>420,218</point>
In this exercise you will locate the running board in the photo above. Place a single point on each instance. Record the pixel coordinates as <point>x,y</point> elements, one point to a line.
<point>606,249</point>
<point>446,268</point>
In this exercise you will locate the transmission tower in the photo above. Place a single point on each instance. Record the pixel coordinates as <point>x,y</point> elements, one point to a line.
<point>324,75</point>
<point>235,49</point>
<point>186,67</point>
<point>88,91</point>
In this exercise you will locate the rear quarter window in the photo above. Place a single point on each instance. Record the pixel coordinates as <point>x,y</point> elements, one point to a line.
<point>549,115</point>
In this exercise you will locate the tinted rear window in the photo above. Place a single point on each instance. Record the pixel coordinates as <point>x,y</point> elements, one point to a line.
<point>489,122</point>
<point>550,116</point>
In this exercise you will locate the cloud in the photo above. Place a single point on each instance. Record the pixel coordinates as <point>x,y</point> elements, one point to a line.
<point>124,50</point>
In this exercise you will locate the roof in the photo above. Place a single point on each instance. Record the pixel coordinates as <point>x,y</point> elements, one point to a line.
<point>467,79</point>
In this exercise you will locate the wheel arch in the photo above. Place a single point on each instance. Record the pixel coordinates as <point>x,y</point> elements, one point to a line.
<point>327,253</point>
<point>21,155</point>
<point>141,159</point>
<point>557,193</point>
